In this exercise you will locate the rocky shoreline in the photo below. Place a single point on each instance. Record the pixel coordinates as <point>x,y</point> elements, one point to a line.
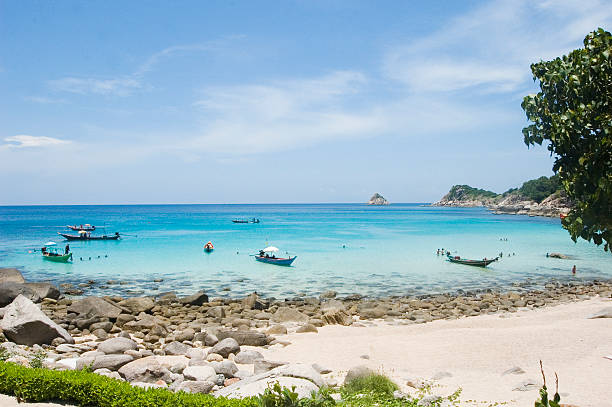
<point>210,345</point>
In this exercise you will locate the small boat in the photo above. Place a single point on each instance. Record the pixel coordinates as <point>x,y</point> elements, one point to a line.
<point>208,247</point>
<point>478,263</point>
<point>86,227</point>
<point>254,220</point>
<point>87,236</point>
<point>265,257</point>
<point>58,258</point>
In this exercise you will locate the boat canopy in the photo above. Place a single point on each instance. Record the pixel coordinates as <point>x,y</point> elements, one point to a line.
<point>271,249</point>
<point>82,232</point>
<point>50,244</point>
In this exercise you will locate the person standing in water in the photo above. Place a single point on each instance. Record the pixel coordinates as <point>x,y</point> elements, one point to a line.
<point>574,269</point>
<point>67,249</point>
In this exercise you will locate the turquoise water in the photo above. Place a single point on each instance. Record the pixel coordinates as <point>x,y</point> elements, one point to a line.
<point>350,248</point>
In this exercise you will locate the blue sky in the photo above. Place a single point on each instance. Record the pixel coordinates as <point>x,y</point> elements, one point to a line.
<point>265,101</point>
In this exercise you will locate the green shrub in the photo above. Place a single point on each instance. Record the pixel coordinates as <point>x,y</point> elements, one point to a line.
<point>37,358</point>
<point>374,383</point>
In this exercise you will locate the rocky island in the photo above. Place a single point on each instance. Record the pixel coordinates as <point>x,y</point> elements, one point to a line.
<point>539,197</point>
<point>378,199</point>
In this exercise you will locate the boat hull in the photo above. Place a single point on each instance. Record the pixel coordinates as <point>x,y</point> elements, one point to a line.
<point>77,237</point>
<point>58,259</point>
<point>278,262</point>
<point>208,250</point>
<point>476,263</point>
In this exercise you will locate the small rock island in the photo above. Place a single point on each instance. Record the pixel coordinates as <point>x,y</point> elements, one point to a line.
<point>378,199</point>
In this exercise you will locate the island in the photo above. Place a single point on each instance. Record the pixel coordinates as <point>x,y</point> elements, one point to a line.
<point>378,199</point>
<point>538,197</point>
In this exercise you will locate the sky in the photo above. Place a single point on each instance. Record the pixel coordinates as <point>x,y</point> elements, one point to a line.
<point>115,102</point>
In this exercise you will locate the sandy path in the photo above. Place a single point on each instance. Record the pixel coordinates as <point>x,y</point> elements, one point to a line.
<point>476,351</point>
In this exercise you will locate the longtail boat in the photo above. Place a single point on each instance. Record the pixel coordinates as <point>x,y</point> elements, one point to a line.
<point>85,236</point>
<point>468,262</point>
<point>58,258</point>
<point>279,261</point>
<point>86,227</point>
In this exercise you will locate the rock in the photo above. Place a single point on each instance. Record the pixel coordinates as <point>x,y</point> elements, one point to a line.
<point>100,334</point>
<point>24,323</point>
<point>225,347</point>
<point>357,372</point>
<point>243,388</point>
<point>514,370</point>
<point>195,386</point>
<point>117,345</point>
<point>198,298</point>
<point>307,328</point>
<point>249,338</point>
<point>45,290</point>
<point>286,314</point>
<point>137,305</point>
<point>200,373</point>
<point>184,335</point>
<point>105,326</point>
<point>122,319</point>
<point>210,340</point>
<point>262,366</point>
<point>214,357</point>
<point>373,313</point>
<point>11,290</point>
<point>230,381</point>
<point>277,330</point>
<point>602,313</point>
<point>377,199</point>
<point>94,307</point>
<point>176,348</point>
<point>195,353</point>
<point>147,370</point>
<point>227,368</point>
<point>108,373</point>
<point>527,385</point>
<point>558,256</point>
<point>254,302</point>
<point>216,312</point>
<point>442,375</point>
<point>328,295</point>
<point>248,357</point>
<point>320,369</point>
<point>338,317</point>
<point>146,386</point>
<point>112,362</point>
<point>11,275</point>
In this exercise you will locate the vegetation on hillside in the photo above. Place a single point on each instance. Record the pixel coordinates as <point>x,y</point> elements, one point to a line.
<point>572,114</point>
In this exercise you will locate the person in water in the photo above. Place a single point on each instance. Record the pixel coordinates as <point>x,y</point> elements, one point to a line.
<point>574,269</point>
<point>67,249</point>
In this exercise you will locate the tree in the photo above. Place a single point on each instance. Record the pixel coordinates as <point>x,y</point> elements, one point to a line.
<point>573,114</point>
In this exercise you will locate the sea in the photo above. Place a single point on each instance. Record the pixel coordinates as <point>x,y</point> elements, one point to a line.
<point>374,251</point>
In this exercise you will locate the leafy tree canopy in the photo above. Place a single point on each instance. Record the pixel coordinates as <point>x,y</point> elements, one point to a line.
<point>573,114</point>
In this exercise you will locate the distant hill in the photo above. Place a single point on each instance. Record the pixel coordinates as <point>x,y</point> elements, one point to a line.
<point>538,197</point>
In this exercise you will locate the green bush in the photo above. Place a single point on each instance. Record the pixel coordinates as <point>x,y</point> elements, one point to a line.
<point>374,383</point>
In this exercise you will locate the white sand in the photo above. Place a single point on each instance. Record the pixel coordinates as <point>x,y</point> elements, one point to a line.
<point>476,351</point>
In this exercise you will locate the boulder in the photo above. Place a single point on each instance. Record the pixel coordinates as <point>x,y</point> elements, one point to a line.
<point>338,317</point>
<point>196,386</point>
<point>247,388</point>
<point>111,362</point>
<point>225,347</point>
<point>136,305</point>
<point>307,328</point>
<point>198,298</point>
<point>11,275</point>
<point>328,294</point>
<point>216,312</point>
<point>117,345</point>
<point>176,348</point>
<point>147,370</point>
<point>287,314</point>
<point>249,338</point>
<point>357,372</point>
<point>24,323</point>
<point>11,290</point>
<point>227,368</point>
<point>262,366</point>
<point>200,373</point>
<point>277,330</point>
<point>45,290</point>
<point>254,302</point>
<point>248,357</point>
<point>94,307</point>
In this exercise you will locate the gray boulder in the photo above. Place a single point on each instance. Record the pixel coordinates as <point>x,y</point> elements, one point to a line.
<point>249,338</point>
<point>227,368</point>
<point>216,312</point>
<point>253,301</point>
<point>200,373</point>
<point>328,294</point>
<point>24,323</point>
<point>225,347</point>
<point>45,290</point>
<point>11,290</point>
<point>307,328</point>
<point>262,366</point>
<point>196,386</point>
<point>176,348</point>
<point>137,305</point>
<point>11,275</point>
<point>248,357</point>
<point>111,362</point>
<point>286,314</point>
<point>198,298</point>
<point>147,370</point>
<point>117,345</point>
<point>94,307</point>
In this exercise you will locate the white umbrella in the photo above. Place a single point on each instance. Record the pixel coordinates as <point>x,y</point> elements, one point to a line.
<point>50,244</point>
<point>271,249</point>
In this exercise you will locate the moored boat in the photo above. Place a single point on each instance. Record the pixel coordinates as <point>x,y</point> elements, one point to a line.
<point>208,247</point>
<point>478,263</point>
<point>253,220</point>
<point>87,236</point>
<point>265,257</point>
<point>58,258</point>
<point>86,227</point>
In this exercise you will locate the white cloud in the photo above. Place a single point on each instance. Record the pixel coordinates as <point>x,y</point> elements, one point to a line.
<point>490,48</point>
<point>25,141</point>
<point>119,86</point>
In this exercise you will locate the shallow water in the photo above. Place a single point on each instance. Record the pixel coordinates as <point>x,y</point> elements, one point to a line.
<point>374,251</point>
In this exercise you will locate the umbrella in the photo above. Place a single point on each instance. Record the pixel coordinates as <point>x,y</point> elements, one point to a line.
<point>50,244</point>
<point>270,249</point>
